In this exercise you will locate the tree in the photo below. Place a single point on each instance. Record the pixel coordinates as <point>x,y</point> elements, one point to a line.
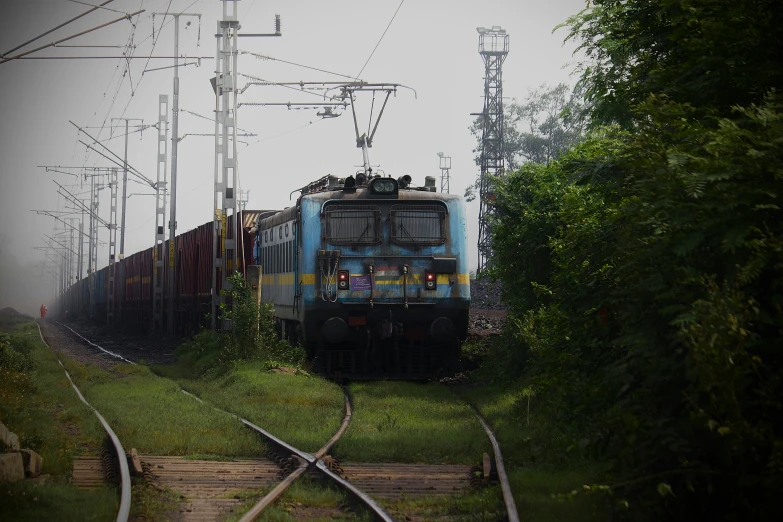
<point>548,123</point>
<point>707,53</point>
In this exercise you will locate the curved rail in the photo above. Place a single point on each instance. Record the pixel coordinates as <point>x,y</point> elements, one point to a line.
<point>95,345</point>
<point>508,497</point>
<point>125,494</point>
<point>306,460</point>
<point>273,495</point>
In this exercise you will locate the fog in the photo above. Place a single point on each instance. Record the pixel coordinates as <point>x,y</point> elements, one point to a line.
<point>430,46</point>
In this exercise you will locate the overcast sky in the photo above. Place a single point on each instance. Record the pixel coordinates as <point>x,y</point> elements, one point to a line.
<point>431,46</point>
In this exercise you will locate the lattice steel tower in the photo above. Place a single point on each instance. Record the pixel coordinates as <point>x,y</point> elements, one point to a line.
<point>493,48</point>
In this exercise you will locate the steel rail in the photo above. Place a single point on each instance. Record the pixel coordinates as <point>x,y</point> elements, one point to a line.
<point>273,495</point>
<point>306,460</point>
<point>125,487</point>
<point>95,345</point>
<point>508,497</point>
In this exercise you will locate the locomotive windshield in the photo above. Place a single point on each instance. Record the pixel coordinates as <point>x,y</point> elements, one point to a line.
<point>353,224</point>
<point>418,224</point>
<point>408,224</point>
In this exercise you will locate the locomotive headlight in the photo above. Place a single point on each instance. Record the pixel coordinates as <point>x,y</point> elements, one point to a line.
<point>383,186</point>
<point>430,283</point>
<point>343,282</point>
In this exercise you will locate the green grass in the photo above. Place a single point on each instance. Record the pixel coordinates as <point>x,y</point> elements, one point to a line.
<point>484,504</point>
<point>543,477</point>
<point>41,407</point>
<point>314,500</point>
<point>151,414</point>
<point>410,422</point>
<point>26,501</point>
<point>304,411</point>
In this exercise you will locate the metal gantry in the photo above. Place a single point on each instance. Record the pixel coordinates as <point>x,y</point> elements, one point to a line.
<point>493,48</point>
<point>158,253</point>
<point>445,168</point>
<point>224,242</point>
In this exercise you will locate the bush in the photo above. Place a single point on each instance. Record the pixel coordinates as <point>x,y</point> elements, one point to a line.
<point>647,305</point>
<point>253,337</point>
<point>15,353</point>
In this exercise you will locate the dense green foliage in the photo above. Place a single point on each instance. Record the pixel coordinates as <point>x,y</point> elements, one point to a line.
<point>253,336</point>
<point>644,268</point>
<point>712,54</point>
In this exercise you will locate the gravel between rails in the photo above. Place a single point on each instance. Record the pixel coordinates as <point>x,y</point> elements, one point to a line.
<point>62,341</point>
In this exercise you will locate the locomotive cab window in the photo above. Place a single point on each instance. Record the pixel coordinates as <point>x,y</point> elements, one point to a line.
<point>353,224</point>
<point>418,224</point>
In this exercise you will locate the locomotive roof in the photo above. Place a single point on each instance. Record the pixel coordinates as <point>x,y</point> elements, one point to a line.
<point>362,193</point>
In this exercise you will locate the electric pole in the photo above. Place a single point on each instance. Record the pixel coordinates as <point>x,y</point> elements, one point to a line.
<point>122,224</point>
<point>174,134</point>
<point>225,240</point>
<point>160,213</point>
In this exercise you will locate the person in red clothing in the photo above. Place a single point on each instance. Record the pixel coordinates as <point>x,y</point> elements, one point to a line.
<point>43,311</point>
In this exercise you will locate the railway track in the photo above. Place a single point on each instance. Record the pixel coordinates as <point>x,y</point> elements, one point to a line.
<point>122,462</point>
<point>195,480</point>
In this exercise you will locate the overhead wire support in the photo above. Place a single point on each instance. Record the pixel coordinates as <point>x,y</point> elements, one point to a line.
<point>80,205</point>
<point>54,44</point>
<point>54,29</point>
<point>293,104</point>
<point>264,57</point>
<point>174,160</point>
<point>158,252</point>
<point>364,141</point>
<point>131,169</point>
<point>57,218</point>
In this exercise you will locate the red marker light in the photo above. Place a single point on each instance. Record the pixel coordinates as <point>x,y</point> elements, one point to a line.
<point>342,280</point>
<point>430,276</point>
<point>429,280</point>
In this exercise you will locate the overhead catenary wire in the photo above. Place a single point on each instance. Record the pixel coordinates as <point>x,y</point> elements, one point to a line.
<point>264,57</point>
<point>98,6</point>
<point>130,168</point>
<point>54,44</point>
<point>54,29</point>
<point>379,40</point>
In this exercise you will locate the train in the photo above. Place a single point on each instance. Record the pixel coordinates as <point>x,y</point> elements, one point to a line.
<point>368,273</point>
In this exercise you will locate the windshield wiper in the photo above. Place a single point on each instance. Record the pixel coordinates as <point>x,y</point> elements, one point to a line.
<point>403,229</point>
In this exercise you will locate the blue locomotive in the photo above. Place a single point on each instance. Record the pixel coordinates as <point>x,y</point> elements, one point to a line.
<point>370,275</point>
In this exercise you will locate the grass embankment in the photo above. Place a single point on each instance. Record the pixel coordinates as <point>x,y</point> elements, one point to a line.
<point>301,409</point>
<point>39,405</point>
<point>547,473</point>
<point>411,422</point>
<point>151,414</point>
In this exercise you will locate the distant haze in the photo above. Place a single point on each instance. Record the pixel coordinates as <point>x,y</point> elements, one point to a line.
<point>431,46</point>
